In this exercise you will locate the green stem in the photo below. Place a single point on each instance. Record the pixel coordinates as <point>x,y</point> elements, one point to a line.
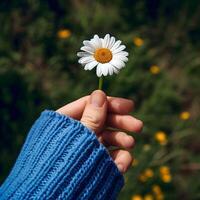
<point>100,83</point>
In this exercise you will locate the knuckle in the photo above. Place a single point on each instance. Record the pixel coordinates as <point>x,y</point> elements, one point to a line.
<point>93,119</point>
<point>92,122</point>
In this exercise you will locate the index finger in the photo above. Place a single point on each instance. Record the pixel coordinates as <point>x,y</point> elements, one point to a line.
<point>74,109</point>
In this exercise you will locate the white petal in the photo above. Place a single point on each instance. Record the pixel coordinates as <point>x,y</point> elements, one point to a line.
<point>83,54</point>
<point>87,49</point>
<point>116,45</point>
<point>85,60</point>
<point>91,65</point>
<point>88,43</point>
<point>96,42</point>
<point>122,53</point>
<point>123,58</point>
<point>106,40</point>
<point>85,67</point>
<point>115,70</point>
<point>120,48</point>
<point>104,68</point>
<point>112,42</point>
<point>80,60</point>
<point>110,69</point>
<point>99,71</point>
<point>117,63</point>
<point>102,42</point>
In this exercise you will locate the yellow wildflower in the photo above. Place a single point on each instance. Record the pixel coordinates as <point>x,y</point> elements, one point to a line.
<point>142,178</point>
<point>138,41</point>
<point>158,193</point>
<point>154,69</point>
<point>164,170</point>
<point>136,197</point>
<point>156,189</point>
<point>161,137</point>
<point>166,178</point>
<point>64,33</point>
<point>160,197</point>
<point>184,115</point>
<point>148,197</point>
<point>148,173</point>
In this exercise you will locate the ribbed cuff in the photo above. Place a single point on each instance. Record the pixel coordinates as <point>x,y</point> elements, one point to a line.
<point>62,159</point>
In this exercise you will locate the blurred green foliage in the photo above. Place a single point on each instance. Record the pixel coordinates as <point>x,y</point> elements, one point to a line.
<point>38,70</point>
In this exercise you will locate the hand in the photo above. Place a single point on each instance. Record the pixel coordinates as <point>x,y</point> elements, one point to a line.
<point>97,112</point>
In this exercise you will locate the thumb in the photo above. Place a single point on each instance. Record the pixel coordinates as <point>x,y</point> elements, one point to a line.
<point>95,111</point>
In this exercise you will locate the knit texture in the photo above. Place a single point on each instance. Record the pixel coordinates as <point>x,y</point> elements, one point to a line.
<point>62,159</point>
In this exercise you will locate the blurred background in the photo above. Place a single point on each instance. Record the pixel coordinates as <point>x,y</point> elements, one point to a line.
<point>38,70</point>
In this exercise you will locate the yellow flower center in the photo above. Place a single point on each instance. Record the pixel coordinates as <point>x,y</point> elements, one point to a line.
<point>103,55</point>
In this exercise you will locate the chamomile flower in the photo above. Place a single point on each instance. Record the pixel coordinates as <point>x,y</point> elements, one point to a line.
<point>106,54</point>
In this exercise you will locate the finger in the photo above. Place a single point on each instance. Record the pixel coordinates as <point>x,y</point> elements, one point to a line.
<point>120,105</point>
<point>118,139</point>
<point>125,122</point>
<point>74,109</point>
<point>115,105</point>
<point>95,111</point>
<point>122,159</point>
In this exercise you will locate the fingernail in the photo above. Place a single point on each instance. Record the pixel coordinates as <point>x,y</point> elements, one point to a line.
<point>97,98</point>
<point>120,167</point>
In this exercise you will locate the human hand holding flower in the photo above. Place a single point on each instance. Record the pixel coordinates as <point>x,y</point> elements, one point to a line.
<point>97,112</point>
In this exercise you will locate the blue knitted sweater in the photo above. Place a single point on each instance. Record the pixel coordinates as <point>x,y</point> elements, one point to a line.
<point>62,159</point>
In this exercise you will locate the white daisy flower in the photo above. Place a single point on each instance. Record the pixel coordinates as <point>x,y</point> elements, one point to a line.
<point>106,54</point>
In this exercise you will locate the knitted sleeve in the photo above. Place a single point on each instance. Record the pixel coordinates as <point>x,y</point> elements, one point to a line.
<point>62,159</point>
